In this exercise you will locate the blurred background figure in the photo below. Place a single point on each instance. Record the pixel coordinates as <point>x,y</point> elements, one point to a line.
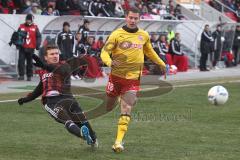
<point>84,30</point>
<point>163,48</point>
<point>50,11</point>
<point>236,46</point>
<point>78,52</point>
<point>35,10</point>
<point>218,45</point>
<point>170,33</point>
<point>31,42</point>
<point>65,42</point>
<point>179,59</point>
<point>98,45</point>
<point>206,47</point>
<point>79,47</point>
<point>178,12</point>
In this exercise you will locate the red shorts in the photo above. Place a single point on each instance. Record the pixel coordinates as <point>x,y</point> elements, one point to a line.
<point>117,86</point>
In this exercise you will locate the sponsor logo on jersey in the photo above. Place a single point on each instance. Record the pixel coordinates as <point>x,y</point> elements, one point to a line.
<point>128,45</point>
<point>46,75</point>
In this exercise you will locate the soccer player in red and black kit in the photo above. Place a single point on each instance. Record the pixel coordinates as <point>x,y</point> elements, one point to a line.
<point>58,101</point>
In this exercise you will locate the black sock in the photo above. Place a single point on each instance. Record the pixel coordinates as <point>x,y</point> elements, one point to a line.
<point>73,128</point>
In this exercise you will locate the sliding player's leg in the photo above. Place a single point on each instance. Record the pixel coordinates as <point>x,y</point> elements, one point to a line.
<point>61,116</point>
<point>79,118</point>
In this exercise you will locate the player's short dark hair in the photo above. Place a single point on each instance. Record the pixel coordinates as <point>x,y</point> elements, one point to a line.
<point>86,21</point>
<point>50,6</point>
<point>29,17</point>
<point>66,24</point>
<point>133,10</point>
<point>49,47</point>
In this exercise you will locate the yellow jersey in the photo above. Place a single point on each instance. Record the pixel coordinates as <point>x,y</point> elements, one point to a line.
<point>128,49</point>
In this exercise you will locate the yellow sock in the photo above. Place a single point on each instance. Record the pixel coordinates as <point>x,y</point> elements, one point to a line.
<point>122,127</point>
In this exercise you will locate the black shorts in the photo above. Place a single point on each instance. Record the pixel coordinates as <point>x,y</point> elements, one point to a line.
<point>63,108</point>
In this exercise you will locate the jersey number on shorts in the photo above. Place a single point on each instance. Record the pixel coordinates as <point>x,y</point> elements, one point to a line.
<point>110,87</point>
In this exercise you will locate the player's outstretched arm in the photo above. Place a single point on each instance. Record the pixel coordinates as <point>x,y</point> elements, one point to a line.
<point>31,96</point>
<point>39,63</point>
<point>63,69</point>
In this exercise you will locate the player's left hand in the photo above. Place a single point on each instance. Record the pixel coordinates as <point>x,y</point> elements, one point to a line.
<point>21,101</point>
<point>164,71</point>
<point>38,61</point>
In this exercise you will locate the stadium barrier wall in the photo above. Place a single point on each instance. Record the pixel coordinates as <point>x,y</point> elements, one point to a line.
<point>101,26</point>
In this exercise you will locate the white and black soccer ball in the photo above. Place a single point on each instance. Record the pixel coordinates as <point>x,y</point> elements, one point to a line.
<point>217,95</point>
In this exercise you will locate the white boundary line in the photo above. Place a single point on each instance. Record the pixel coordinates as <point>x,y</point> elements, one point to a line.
<point>146,89</point>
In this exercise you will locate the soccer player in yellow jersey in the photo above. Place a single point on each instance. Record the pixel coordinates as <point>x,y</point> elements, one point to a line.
<point>124,52</point>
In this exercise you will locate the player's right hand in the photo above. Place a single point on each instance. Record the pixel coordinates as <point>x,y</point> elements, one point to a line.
<point>21,101</point>
<point>164,71</point>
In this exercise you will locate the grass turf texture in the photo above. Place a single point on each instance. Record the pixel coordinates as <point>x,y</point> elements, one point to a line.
<point>180,125</point>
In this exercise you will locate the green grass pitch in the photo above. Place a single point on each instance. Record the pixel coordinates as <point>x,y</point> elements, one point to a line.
<point>180,125</point>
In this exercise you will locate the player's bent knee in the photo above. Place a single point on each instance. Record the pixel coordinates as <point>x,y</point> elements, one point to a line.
<point>133,102</point>
<point>127,107</point>
<point>129,99</point>
<point>130,103</point>
<point>68,124</point>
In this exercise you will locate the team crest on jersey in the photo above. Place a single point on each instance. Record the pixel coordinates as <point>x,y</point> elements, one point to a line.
<point>140,38</point>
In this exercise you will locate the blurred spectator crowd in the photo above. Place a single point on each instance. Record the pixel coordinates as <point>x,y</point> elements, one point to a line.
<point>233,4</point>
<point>232,10</point>
<point>150,9</point>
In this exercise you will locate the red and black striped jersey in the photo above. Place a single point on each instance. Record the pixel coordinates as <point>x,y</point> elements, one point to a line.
<point>57,81</point>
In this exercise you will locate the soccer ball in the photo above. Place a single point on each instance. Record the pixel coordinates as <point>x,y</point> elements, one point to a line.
<point>217,95</point>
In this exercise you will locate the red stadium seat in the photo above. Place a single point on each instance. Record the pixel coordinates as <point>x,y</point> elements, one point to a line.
<point>93,70</point>
<point>10,4</point>
<point>181,62</point>
<point>5,10</point>
<point>74,12</point>
<point>145,71</point>
<point>228,56</point>
<point>169,59</point>
<point>232,16</point>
